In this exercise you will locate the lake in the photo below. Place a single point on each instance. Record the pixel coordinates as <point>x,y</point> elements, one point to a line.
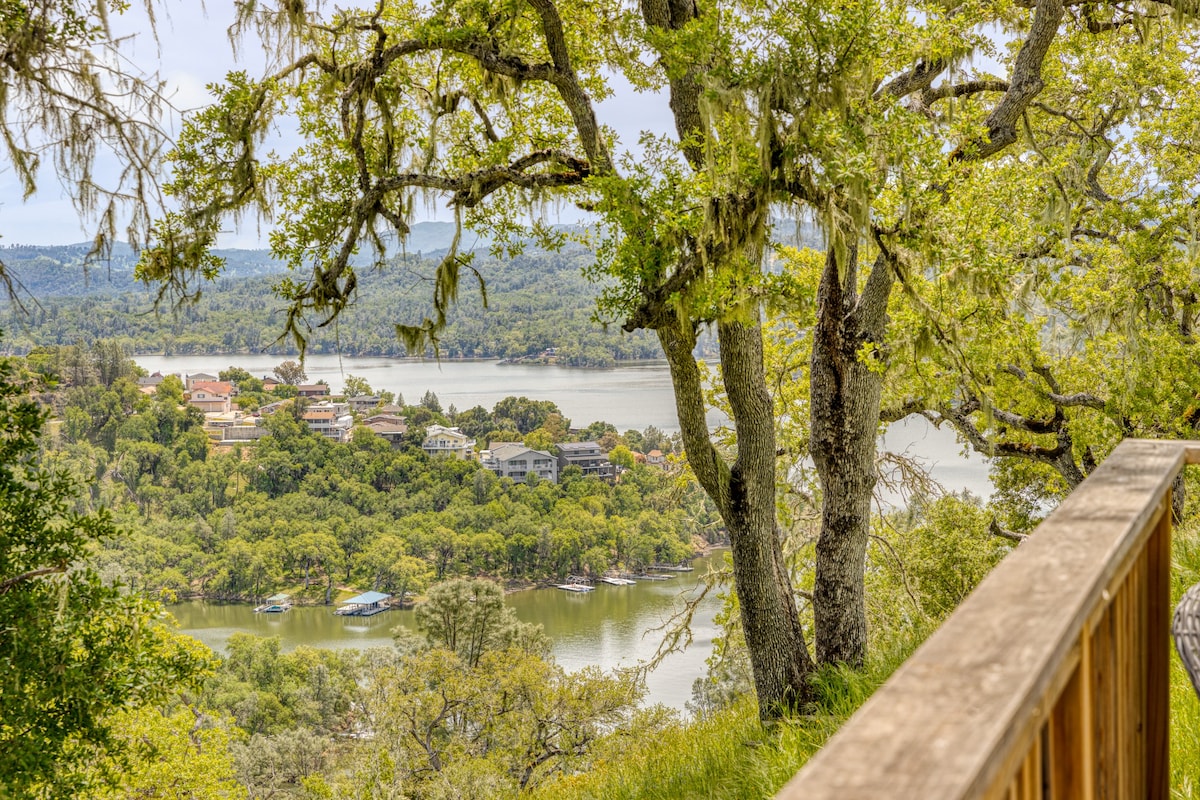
<point>610,627</point>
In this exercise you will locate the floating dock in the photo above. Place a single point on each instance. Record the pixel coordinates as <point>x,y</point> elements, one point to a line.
<point>367,604</point>
<point>579,588</point>
<point>618,581</point>
<point>275,604</point>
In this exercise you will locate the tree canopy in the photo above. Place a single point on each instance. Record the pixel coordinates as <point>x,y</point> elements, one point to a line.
<point>73,648</point>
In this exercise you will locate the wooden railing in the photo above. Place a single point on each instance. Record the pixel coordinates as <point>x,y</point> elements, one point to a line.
<point>1051,679</point>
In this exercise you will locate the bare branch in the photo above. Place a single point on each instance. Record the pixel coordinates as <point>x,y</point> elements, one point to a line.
<point>995,530</point>
<point>10,583</point>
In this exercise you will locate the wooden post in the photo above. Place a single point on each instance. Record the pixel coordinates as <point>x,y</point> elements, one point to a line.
<point>1158,635</point>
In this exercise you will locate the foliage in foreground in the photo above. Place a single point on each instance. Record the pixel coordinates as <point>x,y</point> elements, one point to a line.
<point>73,649</point>
<point>729,754</point>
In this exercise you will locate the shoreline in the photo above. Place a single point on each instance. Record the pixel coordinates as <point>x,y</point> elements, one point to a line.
<point>298,600</point>
<point>499,360</point>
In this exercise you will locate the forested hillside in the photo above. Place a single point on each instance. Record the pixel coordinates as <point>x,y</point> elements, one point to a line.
<point>536,301</point>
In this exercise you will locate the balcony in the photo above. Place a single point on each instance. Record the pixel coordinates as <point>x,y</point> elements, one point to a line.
<point>1051,679</point>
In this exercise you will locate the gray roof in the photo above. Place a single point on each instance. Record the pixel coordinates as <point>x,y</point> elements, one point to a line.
<point>367,599</point>
<point>507,451</point>
<point>570,446</point>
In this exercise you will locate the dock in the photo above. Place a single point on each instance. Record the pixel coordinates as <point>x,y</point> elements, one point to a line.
<point>578,588</point>
<point>367,604</point>
<point>618,581</point>
<point>275,604</point>
<point>646,576</point>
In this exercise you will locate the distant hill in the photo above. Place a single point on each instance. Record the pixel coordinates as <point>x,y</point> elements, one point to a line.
<point>536,302</point>
<point>63,270</point>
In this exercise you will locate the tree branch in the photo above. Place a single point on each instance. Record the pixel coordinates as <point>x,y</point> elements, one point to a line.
<point>918,79</point>
<point>10,583</point>
<point>931,96</point>
<point>995,530</point>
<point>1025,84</point>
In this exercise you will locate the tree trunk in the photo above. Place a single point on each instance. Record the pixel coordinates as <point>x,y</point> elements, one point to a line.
<point>845,400</point>
<point>745,496</point>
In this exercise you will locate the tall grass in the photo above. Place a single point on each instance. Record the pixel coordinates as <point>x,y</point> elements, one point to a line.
<point>729,755</point>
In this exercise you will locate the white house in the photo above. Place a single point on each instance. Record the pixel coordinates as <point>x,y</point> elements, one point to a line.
<point>443,441</point>
<point>331,420</point>
<point>210,402</point>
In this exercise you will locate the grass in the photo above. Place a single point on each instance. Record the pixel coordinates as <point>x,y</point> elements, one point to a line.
<point>729,756</point>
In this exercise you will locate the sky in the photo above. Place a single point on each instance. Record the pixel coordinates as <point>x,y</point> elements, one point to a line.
<point>193,51</point>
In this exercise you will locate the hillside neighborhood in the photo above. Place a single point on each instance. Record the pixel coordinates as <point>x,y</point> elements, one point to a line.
<point>336,417</point>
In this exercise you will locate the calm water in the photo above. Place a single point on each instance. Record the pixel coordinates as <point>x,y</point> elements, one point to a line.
<point>610,627</point>
<point>629,397</point>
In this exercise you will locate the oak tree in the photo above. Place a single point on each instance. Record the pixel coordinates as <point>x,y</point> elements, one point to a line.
<point>863,114</point>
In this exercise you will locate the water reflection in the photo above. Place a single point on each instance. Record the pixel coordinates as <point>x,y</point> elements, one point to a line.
<point>611,627</point>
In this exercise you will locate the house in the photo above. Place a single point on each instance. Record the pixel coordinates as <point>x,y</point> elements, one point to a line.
<point>325,420</point>
<point>200,377</point>
<point>389,408</point>
<point>313,390</point>
<point>210,402</point>
<point>656,458</point>
<point>443,441</point>
<point>364,403</point>
<point>270,384</point>
<point>588,457</point>
<point>516,461</point>
<point>148,384</point>
<point>390,418</point>
<point>215,387</point>
<point>392,429</point>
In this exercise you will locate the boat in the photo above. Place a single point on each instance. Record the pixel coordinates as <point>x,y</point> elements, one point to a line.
<point>275,604</point>
<point>575,587</point>
<point>618,581</point>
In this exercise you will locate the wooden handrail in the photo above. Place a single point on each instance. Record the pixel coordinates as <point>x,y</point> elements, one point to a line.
<point>1050,680</point>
